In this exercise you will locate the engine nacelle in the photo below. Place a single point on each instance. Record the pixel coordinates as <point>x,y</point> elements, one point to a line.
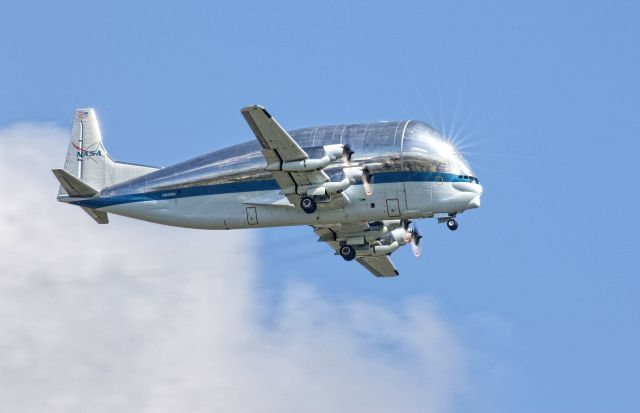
<point>353,174</point>
<point>399,235</point>
<point>331,153</point>
<point>329,188</point>
<point>380,250</point>
<point>335,151</point>
<point>300,166</point>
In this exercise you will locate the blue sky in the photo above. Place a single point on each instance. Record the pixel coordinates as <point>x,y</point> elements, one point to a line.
<point>540,284</point>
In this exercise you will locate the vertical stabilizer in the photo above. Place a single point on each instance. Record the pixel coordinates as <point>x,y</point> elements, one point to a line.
<point>88,168</point>
<point>88,160</point>
<point>86,155</point>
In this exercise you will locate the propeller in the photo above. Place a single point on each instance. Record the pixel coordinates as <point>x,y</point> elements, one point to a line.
<point>346,153</point>
<point>415,241</point>
<point>367,181</point>
<point>367,177</point>
<point>407,233</point>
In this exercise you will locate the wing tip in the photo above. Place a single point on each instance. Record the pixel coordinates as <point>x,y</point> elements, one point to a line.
<point>251,107</point>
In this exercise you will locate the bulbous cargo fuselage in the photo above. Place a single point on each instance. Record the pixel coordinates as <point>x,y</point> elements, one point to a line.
<point>415,173</point>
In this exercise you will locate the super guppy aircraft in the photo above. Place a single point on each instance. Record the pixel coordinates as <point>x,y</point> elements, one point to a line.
<point>359,186</point>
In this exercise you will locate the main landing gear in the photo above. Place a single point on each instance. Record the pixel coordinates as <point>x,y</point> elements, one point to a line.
<point>347,252</point>
<point>308,205</point>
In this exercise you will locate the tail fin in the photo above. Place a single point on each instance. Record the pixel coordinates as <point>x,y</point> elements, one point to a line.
<point>88,168</point>
<point>88,160</point>
<point>86,155</point>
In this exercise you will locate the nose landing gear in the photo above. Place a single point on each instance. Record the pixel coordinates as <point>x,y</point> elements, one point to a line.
<point>452,224</point>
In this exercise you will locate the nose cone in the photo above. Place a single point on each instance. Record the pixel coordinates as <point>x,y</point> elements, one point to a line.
<point>470,192</point>
<point>475,202</point>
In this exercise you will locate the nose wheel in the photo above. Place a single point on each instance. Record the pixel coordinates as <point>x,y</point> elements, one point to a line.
<point>308,205</point>
<point>452,224</point>
<point>347,252</point>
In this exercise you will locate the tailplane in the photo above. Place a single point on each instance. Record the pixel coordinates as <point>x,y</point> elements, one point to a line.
<point>73,186</point>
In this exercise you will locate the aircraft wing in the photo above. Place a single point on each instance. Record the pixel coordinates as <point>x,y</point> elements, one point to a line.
<point>279,146</point>
<point>380,266</point>
<point>271,135</point>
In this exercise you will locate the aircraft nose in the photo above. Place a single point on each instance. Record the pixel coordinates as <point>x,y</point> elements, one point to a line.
<point>468,187</point>
<point>475,202</point>
<point>469,193</point>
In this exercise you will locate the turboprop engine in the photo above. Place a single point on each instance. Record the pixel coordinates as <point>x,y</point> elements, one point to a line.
<point>396,238</point>
<point>331,153</point>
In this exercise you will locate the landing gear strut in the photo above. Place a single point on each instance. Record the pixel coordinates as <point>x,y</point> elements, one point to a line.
<point>347,252</point>
<point>308,205</point>
<point>452,224</point>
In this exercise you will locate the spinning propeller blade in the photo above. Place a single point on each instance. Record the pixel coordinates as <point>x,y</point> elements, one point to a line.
<point>415,241</point>
<point>367,178</point>
<point>346,153</point>
<point>367,181</point>
<point>407,232</point>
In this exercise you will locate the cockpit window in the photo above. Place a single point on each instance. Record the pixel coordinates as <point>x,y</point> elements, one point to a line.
<point>469,178</point>
<point>425,150</point>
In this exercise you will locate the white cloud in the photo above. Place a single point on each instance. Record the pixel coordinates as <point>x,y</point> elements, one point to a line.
<point>132,316</point>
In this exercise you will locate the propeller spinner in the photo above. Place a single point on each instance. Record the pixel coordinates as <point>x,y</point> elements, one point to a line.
<point>346,153</point>
<point>367,177</point>
<point>367,181</point>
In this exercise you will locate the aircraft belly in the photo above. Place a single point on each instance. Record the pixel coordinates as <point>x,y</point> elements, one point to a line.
<point>234,211</point>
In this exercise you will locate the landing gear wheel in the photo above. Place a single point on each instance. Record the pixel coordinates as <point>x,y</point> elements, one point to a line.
<point>308,205</point>
<point>347,252</point>
<point>452,224</point>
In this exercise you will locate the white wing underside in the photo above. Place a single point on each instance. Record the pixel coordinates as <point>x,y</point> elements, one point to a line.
<point>380,266</point>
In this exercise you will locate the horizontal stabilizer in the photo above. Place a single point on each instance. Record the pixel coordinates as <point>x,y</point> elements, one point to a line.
<point>99,216</point>
<point>73,186</point>
<point>77,189</point>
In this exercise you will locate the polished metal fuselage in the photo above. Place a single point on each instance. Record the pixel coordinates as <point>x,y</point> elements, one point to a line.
<point>416,173</point>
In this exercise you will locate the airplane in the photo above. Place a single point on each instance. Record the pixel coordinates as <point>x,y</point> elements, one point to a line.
<point>359,186</point>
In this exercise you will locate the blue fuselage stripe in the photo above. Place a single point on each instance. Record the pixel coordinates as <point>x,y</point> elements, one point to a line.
<point>252,186</point>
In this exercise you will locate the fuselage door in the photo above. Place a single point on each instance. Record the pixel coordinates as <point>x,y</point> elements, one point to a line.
<point>252,216</point>
<point>393,207</point>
